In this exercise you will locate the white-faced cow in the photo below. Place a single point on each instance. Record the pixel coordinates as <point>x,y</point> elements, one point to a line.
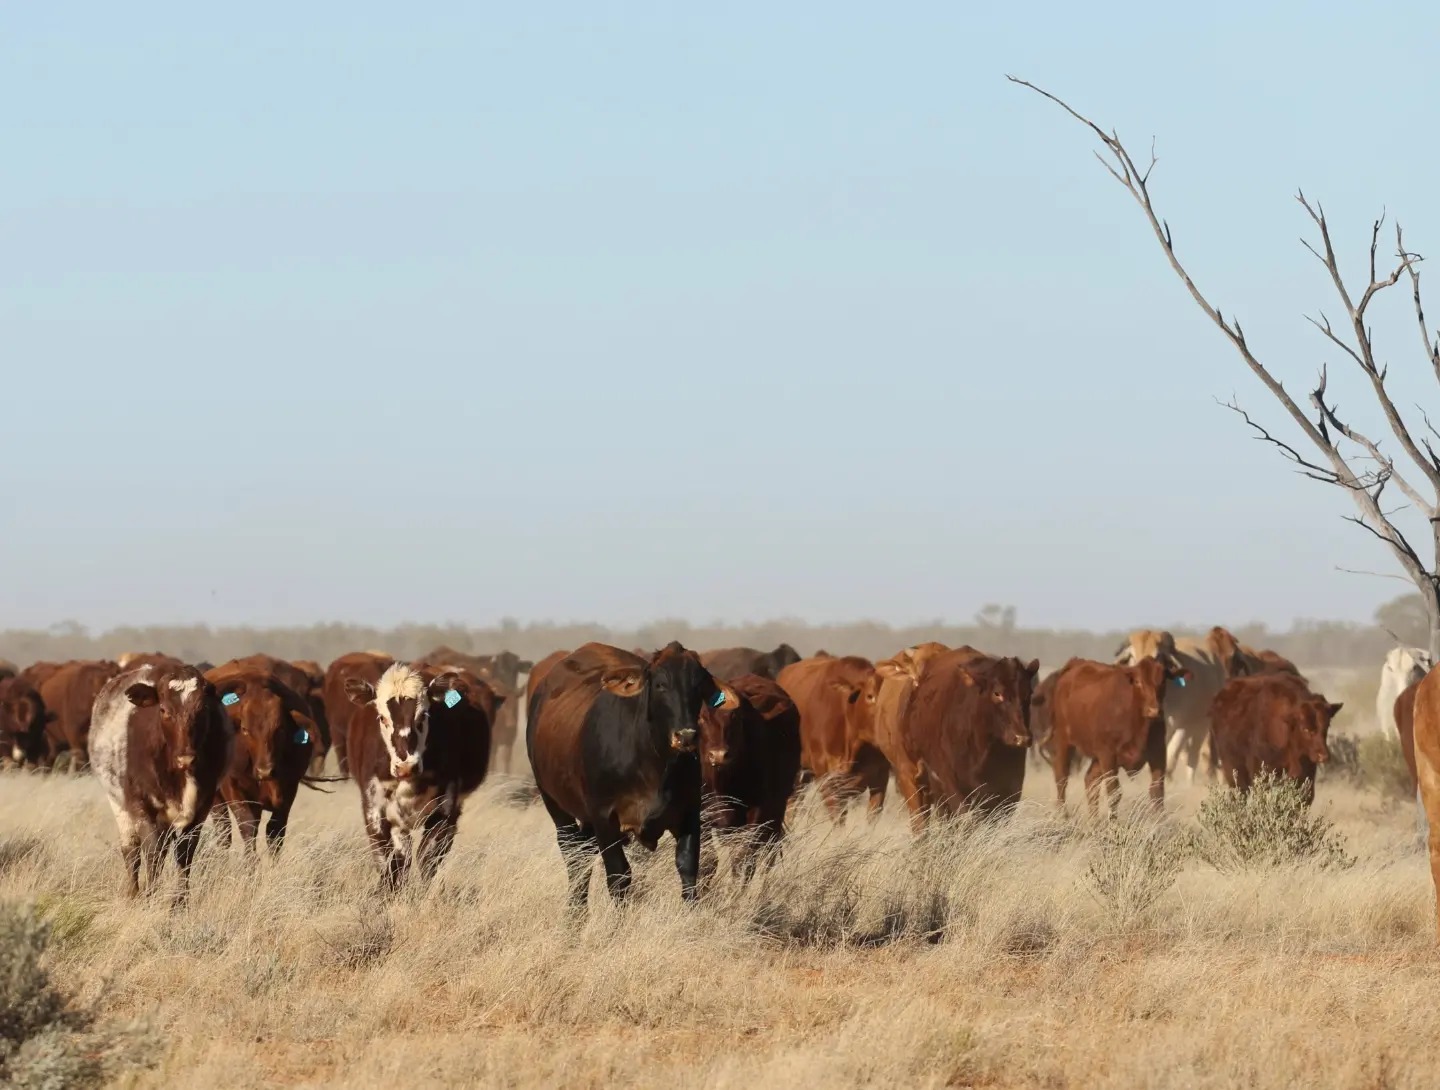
<point>418,745</point>
<point>159,742</point>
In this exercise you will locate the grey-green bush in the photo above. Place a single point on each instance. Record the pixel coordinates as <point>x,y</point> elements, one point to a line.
<point>1269,826</point>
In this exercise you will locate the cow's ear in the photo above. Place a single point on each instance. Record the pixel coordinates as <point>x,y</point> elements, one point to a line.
<point>444,684</point>
<point>624,680</point>
<point>729,699</point>
<point>1034,668</point>
<point>360,691</point>
<point>1335,710</point>
<point>894,669</point>
<point>230,689</point>
<point>142,695</point>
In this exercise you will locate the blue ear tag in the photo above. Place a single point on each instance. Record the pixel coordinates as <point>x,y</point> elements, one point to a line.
<point>718,698</point>
<point>452,697</point>
<point>302,737</point>
<point>229,698</point>
<point>1181,680</point>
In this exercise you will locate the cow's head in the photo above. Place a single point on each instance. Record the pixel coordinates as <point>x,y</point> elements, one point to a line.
<point>722,734</point>
<point>783,656</point>
<point>403,702</point>
<point>22,720</point>
<point>1004,687</point>
<point>188,708</point>
<point>676,689</point>
<point>1311,729</point>
<point>1229,653</point>
<point>270,726</point>
<point>1148,679</point>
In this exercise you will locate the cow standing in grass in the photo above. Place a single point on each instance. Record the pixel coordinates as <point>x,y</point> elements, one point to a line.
<point>160,743</point>
<point>274,742</point>
<point>419,743</point>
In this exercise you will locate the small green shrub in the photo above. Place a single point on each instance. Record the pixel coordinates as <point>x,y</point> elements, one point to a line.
<point>47,1042</point>
<point>1271,825</point>
<point>1134,863</point>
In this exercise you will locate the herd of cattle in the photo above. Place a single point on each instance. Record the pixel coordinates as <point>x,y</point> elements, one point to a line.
<point>625,746</point>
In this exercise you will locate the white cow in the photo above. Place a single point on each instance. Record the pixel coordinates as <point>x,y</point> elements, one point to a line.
<point>1403,667</point>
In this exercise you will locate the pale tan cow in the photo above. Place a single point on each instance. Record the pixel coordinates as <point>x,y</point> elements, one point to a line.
<point>898,677</point>
<point>1211,662</point>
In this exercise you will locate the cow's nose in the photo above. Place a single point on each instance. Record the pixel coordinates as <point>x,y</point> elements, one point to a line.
<point>185,760</point>
<point>684,740</point>
<point>264,771</point>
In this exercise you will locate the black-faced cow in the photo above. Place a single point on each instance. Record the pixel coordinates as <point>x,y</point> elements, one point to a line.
<point>612,739</point>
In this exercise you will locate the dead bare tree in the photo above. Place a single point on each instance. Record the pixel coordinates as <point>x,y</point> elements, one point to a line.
<point>1360,467</point>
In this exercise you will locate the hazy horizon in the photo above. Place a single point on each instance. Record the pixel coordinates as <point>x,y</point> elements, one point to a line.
<point>739,315</point>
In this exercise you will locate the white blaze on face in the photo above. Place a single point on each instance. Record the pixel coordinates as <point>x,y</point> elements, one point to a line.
<point>398,684</point>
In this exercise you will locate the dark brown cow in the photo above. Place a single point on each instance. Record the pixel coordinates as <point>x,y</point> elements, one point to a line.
<point>613,741</point>
<point>502,673</point>
<point>22,722</point>
<point>307,681</point>
<point>419,744</point>
<point>8,670</point>
<point>836,698</point>
<point>966,728</point>
<point>161,742</point>
<point>1271,722</point>
<point>1113,715</point>
<point>69,695</point>
<point>274,742</point>
<point>733,662</point>
<point>367,666</point>
<point>750,758</point>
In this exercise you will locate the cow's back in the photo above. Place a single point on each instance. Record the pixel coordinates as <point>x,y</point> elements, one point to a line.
<point>812,685</point>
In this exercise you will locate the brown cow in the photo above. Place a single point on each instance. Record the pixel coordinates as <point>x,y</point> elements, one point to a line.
<point>836,698</point>
<point>966,728</point>
<point>274,740</point>
<point>22,722</point>
<point>69,694</point>
<point>899,675</point>
<point>419,745</point>
<point>502,673</point>
<point>733,662</point>
<point>613,741</point>
<point>307,681</point>
<point>538,674</point>
<point>161,743</point>
<point>339,708</point>
<point>1426,736</point>
<point>8,670</point>
<point>1115,716</point>
<point>1271,722</point>
<point>1267,662</point>
<point>749,759</point>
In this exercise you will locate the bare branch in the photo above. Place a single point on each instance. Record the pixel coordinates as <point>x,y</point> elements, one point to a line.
<point>1376,574</point>
<point>1365,488</point>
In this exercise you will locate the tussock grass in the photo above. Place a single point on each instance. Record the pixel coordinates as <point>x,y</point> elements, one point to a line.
<point>1044,951</point>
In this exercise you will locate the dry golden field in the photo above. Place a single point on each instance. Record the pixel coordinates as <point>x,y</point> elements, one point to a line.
<point>975,957</point>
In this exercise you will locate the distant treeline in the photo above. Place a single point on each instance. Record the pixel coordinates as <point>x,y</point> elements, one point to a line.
<point>1312,643</point>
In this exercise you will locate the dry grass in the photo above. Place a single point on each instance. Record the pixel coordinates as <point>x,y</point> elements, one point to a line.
<point>1041,953</point>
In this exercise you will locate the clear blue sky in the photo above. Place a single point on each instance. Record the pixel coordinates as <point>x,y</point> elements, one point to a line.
<point>334,311</point>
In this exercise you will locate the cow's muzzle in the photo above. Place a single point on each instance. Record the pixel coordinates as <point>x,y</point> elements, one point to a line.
<point>184,761</point>
<point>684,741</point>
